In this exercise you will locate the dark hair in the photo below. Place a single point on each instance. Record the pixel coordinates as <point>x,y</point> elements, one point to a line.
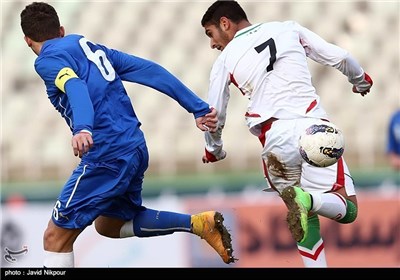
<point>40,22</point>
<point>228,9</point>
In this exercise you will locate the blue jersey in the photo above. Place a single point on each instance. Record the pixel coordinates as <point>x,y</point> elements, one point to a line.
<point>84,84</point>
<point>393,144</point>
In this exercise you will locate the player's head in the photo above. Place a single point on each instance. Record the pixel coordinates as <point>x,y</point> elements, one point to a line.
<point>229,9</point>
<point>40,22</point>
<point>221,21</point>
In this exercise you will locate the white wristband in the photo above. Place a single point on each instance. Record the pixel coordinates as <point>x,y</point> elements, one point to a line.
<point>85,130</point>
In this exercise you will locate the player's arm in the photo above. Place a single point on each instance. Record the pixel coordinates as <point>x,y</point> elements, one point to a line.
<point>64,79</point>
<point>326,53</point>
<point>78,95</point>
<point>145,72</point>
<point>218,97</point>
<point>360,80</point>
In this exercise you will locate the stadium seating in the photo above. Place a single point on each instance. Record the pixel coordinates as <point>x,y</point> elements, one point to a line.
<point>36,143</point>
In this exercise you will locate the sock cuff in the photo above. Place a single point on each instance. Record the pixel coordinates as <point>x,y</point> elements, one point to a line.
<point>351,213</point>
<point>127,230</point>
<point>55,259</point>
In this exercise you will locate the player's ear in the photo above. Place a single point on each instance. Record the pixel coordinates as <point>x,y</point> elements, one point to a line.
<point>224,23</point>
<point>28,41</point>
<point>62,31</point>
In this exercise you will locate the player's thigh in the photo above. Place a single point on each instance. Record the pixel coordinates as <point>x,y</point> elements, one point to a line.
<point>89,192</point>
<point>285,166</point>
<point>281,156</point>
<point>128,203</point>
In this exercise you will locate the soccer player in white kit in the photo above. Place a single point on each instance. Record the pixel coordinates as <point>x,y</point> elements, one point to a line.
<point>267,62</point>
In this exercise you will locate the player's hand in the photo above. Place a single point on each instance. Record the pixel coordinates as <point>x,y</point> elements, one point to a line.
<point>363,87</point>
<point>209,157</point>
<point>81,143</point>
<point>208,122</point>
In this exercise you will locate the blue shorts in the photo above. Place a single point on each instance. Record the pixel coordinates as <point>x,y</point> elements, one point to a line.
<point>112,188</point>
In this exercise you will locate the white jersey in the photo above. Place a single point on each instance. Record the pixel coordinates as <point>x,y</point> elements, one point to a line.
<point>268,63</point>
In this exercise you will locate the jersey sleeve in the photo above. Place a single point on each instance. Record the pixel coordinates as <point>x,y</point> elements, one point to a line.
<point>325,53</point>
<point>57,72</point>
<point>148,73</point>
<point>393,134</point>
<point>218,98</point>
<point>318,49</point>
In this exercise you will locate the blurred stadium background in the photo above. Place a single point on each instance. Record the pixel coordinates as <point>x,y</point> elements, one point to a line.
<point>36,156</point>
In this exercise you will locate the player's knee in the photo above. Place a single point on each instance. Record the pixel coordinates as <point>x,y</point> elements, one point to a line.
<point>351,213</point>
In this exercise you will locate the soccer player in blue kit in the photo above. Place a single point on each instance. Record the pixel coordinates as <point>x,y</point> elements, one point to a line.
<point>84,84</point>
<point>393,140</point>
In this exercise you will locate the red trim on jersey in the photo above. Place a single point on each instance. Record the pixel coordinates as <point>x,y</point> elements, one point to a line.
<point>235,83</point>
<point>252,115</point>
<point>315,255</point>
<point>368,79</point>
<point>265,126</point>
<point>233,79</point>
<point>311,106</point>
<point>266,176</point>
<point>339,176</point>
<point>210,157</point>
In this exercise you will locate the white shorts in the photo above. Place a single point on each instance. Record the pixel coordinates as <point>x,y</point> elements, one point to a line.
<point>284,166</point>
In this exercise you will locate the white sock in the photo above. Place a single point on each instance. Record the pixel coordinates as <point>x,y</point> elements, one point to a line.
<point>330,205</point>
<point>127,230</point>
<point>319,261</point>
<point>53,259</point>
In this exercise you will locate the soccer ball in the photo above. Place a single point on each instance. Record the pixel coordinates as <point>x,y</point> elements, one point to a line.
<point>321,144</point>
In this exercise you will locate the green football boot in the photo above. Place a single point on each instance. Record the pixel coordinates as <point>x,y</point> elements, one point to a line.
<point>298,203</point>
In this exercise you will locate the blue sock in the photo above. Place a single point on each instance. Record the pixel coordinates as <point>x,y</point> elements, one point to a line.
<point>154,222</point>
